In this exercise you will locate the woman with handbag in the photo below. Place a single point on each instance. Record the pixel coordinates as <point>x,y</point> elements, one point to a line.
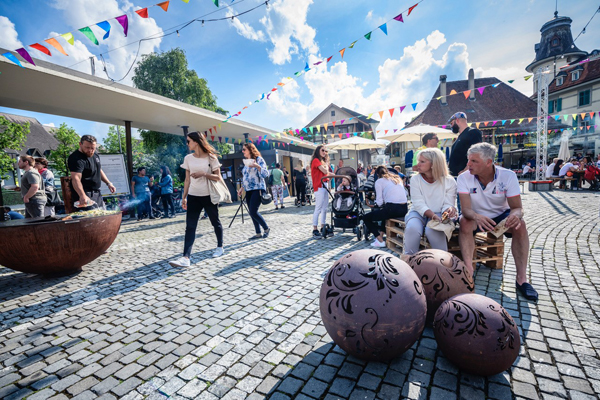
<point>200,167</point>
<point>254,173</point>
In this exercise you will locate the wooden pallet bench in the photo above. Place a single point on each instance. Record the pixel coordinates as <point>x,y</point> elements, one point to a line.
<point>489,250</point>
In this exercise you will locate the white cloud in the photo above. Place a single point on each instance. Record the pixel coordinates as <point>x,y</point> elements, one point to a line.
<point>412,78</point>
<point>245,30</point>
<point>369,15</point>
<point>9,38</point>
<point>50,124</point>
<point>287,28</point>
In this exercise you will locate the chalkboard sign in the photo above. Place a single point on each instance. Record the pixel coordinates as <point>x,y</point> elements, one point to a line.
<point>113,166</point>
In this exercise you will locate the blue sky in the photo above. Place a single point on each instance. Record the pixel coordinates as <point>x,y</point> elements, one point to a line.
<point>249,56</point>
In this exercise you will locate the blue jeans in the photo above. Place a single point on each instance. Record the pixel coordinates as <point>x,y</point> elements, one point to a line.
<point>253,201</point>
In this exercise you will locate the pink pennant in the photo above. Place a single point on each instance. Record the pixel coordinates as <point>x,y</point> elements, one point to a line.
<point>402,108</point>
<point>481,89</point>
<point>124,21</point>
<point>399,18</point>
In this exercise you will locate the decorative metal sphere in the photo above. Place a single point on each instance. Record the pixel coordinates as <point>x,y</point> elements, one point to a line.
<point>373,305</point>
<point>476,334</point>
<point>443,275</point>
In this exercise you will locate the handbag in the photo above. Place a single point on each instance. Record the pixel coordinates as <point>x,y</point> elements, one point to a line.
<point>53,199</point>
<point>265,197</point>
<point>219,193</point>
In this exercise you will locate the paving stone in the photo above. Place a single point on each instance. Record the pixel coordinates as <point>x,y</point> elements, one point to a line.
<point>342,387</point>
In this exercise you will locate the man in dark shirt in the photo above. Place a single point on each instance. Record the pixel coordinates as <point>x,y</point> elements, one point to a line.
<point>87,174</point>
<point>467,137</point>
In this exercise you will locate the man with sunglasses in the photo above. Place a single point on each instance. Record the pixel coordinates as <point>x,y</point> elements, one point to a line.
<point>467,137</point>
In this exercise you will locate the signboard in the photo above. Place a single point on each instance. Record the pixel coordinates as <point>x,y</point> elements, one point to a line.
<point>113,166</point>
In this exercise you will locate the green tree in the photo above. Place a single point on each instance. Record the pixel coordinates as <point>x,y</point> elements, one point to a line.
<point>12,137</point>
<point>167,74</point>
<point>68,142</point>
<point>110,145</point>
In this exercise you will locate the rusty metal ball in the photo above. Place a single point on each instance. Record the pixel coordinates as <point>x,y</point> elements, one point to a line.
<point>372,305</point>
<point>443,275</point>
<point>476,334</point>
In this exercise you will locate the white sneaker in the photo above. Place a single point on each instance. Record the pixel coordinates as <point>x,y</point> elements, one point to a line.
<point>180,262</point>
<point>377,243</point>
<point>218,252</point>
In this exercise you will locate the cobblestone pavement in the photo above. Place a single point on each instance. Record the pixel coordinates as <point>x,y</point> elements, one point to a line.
<point>247,325</point>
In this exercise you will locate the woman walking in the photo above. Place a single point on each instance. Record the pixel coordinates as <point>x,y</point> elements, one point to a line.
<point>200,167</point>
<point>41,164</point>
<point>166,191</point>
<point>254,173</point>
<point>390,198</point>
<point>433,193</point>
<point>300,179</point>
<point>319,169</point>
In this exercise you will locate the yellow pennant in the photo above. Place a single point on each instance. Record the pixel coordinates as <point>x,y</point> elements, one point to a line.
<point>69,38</point>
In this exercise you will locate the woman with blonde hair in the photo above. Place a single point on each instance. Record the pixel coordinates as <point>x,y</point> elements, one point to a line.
<point>255,172</point>
<point>200,166</point>
<point>433,193</point>
<point>390,198</point>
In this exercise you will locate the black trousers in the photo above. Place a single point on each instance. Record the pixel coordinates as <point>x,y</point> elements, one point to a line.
<point>388,211</point>
<point>144,207</point>
<point>195,205</point>
<point>301,191</point>
<point>167,200</point>
<point>253,201</point>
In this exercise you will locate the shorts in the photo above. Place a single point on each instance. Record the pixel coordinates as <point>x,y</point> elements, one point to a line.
<point>497,220</point>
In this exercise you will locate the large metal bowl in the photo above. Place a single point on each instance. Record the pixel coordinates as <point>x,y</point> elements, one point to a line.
<point>37,246</point>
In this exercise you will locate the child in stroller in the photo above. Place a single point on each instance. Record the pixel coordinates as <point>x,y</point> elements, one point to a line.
<point>342,195</point>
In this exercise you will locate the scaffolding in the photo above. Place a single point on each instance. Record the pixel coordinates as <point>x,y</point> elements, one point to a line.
<point>542,77</point>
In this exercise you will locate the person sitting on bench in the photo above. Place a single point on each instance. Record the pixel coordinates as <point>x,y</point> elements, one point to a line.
<point>488,195</point>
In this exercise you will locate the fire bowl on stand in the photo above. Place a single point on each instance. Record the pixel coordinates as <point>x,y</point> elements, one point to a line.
<point>37,246</point>
<point>476,334</point>
<point>372,305</point>
<point>443,275</point>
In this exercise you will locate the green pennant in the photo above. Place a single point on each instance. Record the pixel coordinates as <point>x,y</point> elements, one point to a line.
<point>90,35</point>
<point>216,2</point>
<point>511,81</point>
<point>368,36</point>
<point>352,45</point>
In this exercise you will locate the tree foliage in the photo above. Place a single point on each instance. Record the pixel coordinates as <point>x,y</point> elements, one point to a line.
<point>110,145</point>
<point>12,137</point>
<point>68,142</point>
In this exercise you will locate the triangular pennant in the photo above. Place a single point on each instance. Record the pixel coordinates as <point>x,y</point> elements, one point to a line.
<point>329,59</point>
<point>352,44</point>
<point>527,77</point>
<point>347,135</point>
<point>142,13</point>
<point>521,120</point>
<point>486,123</point>
<point>41,48</point>
<point>412,8</point>
<point>512,120</point>
<point>23,53</point>
<point>216,2</point>
<point>391,112</point>
<point>399,18</point>
<point>342,121</point>
<point>53,42</point>
<point>370,115</point>
<point>342,52</point>
<point>124,21</point>
<point>414,106</point>
<point>12,58</point>
<point>583,115</point>
<point>325,125</point>
<point>89,34</point>
<point>383,28</point>
<point>452,92</point>
<point>106,27</point>
<point>495,85</point>
<point>503,121</point>
<point>340,135</point>
<point>306,67</point>
<point>69,38</point>
<point>467,93</point>
<point>368,36</point>
<point>556,117</point>
<point>402,108</point>
<point>529,119</point>
<point>477,125</point>
<point>511,81</point>
<point>187,1</point>
<point>380,115</point>
<point>481,89</point>
<point>164,5</point>
<point>574,117</point>
<point>333,123</point>
<point>304,129</point>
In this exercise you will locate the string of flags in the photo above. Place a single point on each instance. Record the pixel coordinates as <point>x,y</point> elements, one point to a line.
<point>383,28</point>
<point>123,20</point>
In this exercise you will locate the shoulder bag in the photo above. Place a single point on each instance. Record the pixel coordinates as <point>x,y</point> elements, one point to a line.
<point>219,193</point>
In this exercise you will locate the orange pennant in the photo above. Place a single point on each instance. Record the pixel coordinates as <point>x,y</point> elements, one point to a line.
<point>164,5</point>
<point>391,113</point>
<point>452,92</point>
<point>380,114</point>
<point>325,125</point>
<point>142,13</point>
<point>333,123</point>
<point>340,135</point>
<point>582,114</point>
<point>342,52</point>
<point>477,124</point>
<point>485,123</point>
<point>57,46</point>
<point>529,119</point>
<point>467,93</point>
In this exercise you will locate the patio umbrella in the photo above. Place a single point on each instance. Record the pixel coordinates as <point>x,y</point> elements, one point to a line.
<point>357,143</point>
<point>563,152</point>
<point>500,153</point>
<point>415,133</point>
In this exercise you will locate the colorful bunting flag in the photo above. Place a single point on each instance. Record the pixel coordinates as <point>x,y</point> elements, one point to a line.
<point>106,27</point>
<point>89,34</point>
<point>352,44</point>
<point>399,18</point>
<point>412,8</point>
<point>329,59</point>
<point>414,106</point>
<point>164,5</point>
<point>368,36</point>
<point>467,93</point>
<point>142,13</point>
<point>511,81</point>
<point>69,38</point>
<point>527,77</point>
<point>12,58</point>
<point>380,115</point>
<point>23,53</point>
<point>53,42</point>
<point>402,108</point>
<point>342,121</point>
<point>480,90</point>
<point>391,112</point>
<point>383,28</point>
<point>41,48</point>
<point>342,52</point>
<point>452,92</point>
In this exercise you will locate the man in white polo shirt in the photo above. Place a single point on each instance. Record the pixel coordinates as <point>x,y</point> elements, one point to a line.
<point>489,194</point>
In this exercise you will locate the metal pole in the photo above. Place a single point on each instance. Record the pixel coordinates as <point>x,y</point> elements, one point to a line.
<point>543,81</point>
<point>129,149</point>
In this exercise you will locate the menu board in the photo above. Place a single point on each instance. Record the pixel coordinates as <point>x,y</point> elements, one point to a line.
<point>113,166</point>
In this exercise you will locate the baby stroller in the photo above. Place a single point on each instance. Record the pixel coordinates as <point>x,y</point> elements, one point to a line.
<point>309,194</point>
<point>347,213</point>
<point>156,202</point>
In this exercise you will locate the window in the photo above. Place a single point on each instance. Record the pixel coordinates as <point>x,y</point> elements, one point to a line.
<point>584,98</point>
<point>574,75</point>
<point>588,125</point>
<point>333,113</point>
<point>560,80</point>
<point>343,129</point>
<point>344,155</point>
<point>555,106</point>
<point>555,42</point>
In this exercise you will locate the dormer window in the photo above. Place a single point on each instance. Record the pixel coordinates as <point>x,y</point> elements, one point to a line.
<point>333,113</point>
<point>560,80</point>
<point>555,42</point>
<point>574,75</point>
